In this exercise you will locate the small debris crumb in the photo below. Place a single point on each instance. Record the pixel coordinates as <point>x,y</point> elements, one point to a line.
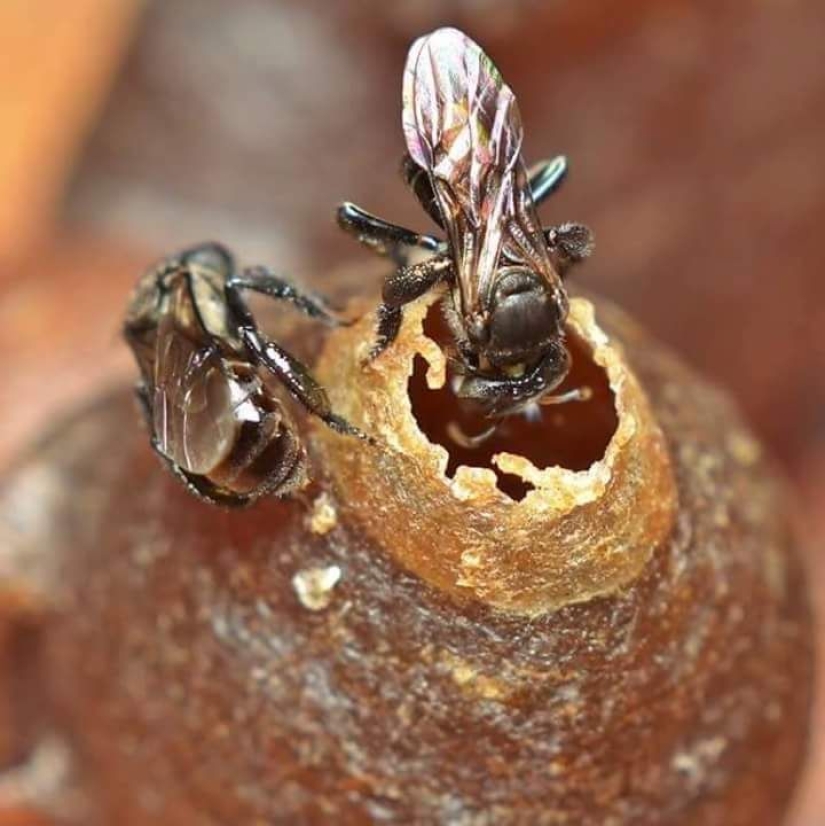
<point>324,516</point>
<point>696,762</point>
<point>314,586</point>
<point>471,559</point>
<point>466,677</point>
<point>744,448</point>
<point>42,780</point>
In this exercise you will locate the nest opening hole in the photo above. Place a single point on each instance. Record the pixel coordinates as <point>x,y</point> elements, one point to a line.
<point>572,435</point>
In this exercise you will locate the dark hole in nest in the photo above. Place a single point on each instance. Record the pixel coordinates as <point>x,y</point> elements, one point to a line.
<point>572,435</point>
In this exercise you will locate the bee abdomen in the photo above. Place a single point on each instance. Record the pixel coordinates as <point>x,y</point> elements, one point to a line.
<point>268,458</point>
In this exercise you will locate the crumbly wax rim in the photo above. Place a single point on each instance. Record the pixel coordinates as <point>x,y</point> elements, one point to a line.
<point>470,483</point>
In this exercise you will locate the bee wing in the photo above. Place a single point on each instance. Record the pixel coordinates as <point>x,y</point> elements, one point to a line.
<point>524,241</point>
<point>193,411</point>
<point>462,125</point>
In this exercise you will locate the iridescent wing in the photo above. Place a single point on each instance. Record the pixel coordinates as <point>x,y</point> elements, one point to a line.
<point>462,125</point>
<point>195,417</point>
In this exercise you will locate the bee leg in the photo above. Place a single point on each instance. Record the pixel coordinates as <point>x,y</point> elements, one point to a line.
<point>266,282</point>
<point>386,330</point>
<point>419,182</point>
<point>381,236</point>
<point>568,244</point>
<point>546,177</point>
<point>401,287</point>
<point>301,385</point>
<point>468,358</point>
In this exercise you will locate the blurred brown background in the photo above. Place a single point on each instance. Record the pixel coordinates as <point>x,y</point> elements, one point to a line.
<point>695,130</point>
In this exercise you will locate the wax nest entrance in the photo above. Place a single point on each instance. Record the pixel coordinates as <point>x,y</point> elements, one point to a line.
<point>542,515</point>
<point>572,435</point>
<point>280,664</point>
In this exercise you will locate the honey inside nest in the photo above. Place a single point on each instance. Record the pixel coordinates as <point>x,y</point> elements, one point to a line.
<point>572,435</point>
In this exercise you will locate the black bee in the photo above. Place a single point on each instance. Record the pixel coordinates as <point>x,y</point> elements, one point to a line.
<point>207,376</point>
<point>506,304</point>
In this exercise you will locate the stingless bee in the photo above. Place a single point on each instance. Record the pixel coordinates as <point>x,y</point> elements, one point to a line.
<point>207,374</point>
<point>505,304</point>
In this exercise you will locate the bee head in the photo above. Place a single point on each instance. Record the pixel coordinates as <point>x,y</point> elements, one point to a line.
<point>525,315</point>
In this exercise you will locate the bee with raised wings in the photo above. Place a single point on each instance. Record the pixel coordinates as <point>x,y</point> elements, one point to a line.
<point>208,375</point>
<point>505,302</point>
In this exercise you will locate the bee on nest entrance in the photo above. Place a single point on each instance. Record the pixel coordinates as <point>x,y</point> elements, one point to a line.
<point>571,435</point>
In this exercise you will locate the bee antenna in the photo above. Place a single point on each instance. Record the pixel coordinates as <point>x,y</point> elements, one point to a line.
<point>577,394</point>
<point>455,432</point>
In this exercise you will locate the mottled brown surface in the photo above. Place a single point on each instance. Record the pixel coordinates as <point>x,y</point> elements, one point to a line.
<point>198,688</point>
<point>573,536</point>
<point>695,131</point>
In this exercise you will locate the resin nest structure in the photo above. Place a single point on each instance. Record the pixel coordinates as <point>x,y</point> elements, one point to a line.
<point>595,618</point>
<point>571,534</point>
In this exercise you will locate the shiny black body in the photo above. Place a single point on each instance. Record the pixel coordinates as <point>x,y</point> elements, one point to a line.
<point>514,354</point>
<point>208,377</point>
<point>505,301</point>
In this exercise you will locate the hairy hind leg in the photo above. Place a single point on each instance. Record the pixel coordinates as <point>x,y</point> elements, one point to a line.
<point>568,244</point>
<point>401,287</point>
<point>274,358</point>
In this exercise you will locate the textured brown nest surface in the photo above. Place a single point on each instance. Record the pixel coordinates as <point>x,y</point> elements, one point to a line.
<point>279,664</point>
<point>572,535</point>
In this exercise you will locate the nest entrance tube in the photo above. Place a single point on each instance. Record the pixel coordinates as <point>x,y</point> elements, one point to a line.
<point>523,524</point>
<point>574,435</point>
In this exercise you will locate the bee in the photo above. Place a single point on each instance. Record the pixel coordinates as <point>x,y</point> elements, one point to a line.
<point>505,302</point>
<point>208,377</point>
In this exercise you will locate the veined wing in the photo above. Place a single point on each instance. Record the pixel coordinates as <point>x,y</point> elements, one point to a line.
<point>462,125</point>
<point>194,413</point>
